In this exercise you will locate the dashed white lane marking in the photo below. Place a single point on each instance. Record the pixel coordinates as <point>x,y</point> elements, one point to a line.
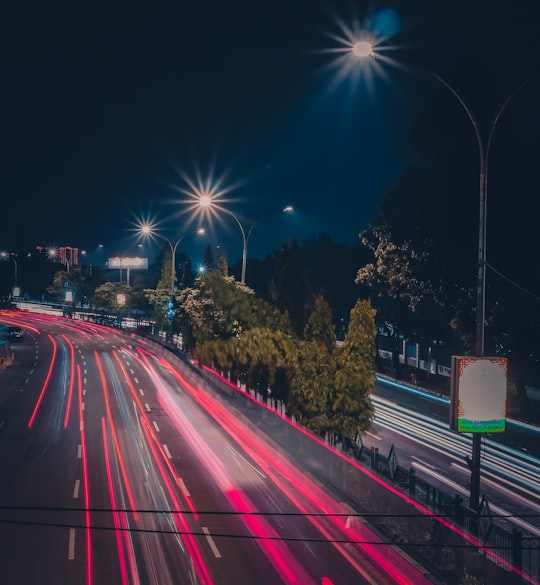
<point>84,364</point>
<point>184,488</point>
<point>136,381</point>
<point>84,391</point>
<point>127,363</point>
<point>156,426</point>
<point>71,546</point>
<point>21,390</point>
<point>84,379</point>
<point>211,542</point>
<point>141,392</point>
<point>131,370</point>
<point>147,407</point>
<point>82,405</point>
<point>79,451</point>
<point>85,372</point>
<point>32,371</point>
<point>76,488</point>
<point>27,380</point>
<point>167,452</point>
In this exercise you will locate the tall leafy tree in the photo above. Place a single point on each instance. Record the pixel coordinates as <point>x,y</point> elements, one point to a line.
<point>355,377</point>
<point>319,326</point>
<point>162,294</point>
<point>312,386</point>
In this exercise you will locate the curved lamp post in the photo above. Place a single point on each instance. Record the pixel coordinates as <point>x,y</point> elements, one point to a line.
<point>206,201</point>
<point>364,49</point>
<point>148,230</point>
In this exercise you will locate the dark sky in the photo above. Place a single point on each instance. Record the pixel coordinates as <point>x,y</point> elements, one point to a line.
<point>107,109</point>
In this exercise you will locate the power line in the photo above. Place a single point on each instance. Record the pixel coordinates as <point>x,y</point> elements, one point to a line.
<point>512,282</point>
<point>255,513</point>
<point>205,534</point>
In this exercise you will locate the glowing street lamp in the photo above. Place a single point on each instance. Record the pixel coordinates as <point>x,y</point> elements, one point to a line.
<point>206,201</point>
<point>148,230</point>
<point>364,49</point>
<point>54,254</point>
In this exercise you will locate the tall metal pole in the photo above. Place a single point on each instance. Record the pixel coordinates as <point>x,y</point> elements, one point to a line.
<point>245,236</point>
<point>481,276</point>
<point>244,244</point>
<point>16,270</point>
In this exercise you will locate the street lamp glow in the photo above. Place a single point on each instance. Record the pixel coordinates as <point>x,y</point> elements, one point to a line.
<point>205,200</point>
<point>288,209</point>
<point>148,230</point>
<point>363,49</point>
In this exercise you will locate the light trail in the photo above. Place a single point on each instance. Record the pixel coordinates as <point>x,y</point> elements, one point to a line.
<point>71,379</point>
<point>88,531</point>
<point>115,438</point>
<point>117,531</point>
<point>511,465</point>
<point>181,522</point>
<point>472,541</point>
<point>143,415</point>
<point>45,385</point>
<point>276,466</point>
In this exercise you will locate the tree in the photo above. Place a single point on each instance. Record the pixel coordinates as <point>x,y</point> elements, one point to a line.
<point>288,287</point>
<point>355,377</point>
<point>312,386</point>
<point>106,296</point>
<point>72,280</point>
<point>162,294</point>
<point>319,327</point>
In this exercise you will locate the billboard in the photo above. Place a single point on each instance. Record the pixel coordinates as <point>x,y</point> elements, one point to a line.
<point>478,394</point>
<point>135,263</point>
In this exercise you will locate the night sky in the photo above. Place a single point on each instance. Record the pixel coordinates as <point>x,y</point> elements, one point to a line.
<point>108,112</point>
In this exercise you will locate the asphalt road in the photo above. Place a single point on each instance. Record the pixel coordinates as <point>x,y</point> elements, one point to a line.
<point>416,423</point>
<point>120,467</point>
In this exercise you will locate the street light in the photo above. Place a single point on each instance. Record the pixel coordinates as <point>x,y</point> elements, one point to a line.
<point>206,201</point>
<point>361,50</point>
<point>147,230</point>
<point>7,256</point>
<point>54,254</point>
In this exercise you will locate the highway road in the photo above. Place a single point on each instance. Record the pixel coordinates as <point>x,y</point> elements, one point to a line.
<point>416,423</point>
<point>120,467</point>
